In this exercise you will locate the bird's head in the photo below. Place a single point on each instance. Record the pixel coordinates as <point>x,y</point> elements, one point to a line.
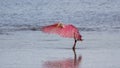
<point>79,38</point>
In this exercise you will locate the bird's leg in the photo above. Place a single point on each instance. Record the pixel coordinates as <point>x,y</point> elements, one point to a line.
<point>74,42</point>
<point>74,45</point>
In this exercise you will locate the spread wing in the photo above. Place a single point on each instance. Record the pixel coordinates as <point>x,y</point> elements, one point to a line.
<point>68,31</point>
<point>55,28</point>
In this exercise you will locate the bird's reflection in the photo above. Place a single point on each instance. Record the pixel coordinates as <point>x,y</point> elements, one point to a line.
<point>65,63</point>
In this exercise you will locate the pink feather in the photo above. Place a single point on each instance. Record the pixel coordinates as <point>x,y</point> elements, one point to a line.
<point>63,30</point>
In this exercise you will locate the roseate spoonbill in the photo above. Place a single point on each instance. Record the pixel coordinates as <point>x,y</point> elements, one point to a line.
<point>64,30</point>
<point>65,63</point>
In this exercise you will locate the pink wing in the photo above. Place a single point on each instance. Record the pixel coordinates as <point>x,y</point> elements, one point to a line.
<point>63,30</point>
<point>51,28</point>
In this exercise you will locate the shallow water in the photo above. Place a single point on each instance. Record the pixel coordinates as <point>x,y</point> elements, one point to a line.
<point>34,49</point>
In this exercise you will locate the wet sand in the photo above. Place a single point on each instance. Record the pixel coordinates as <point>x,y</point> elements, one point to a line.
<point>34,49</point>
